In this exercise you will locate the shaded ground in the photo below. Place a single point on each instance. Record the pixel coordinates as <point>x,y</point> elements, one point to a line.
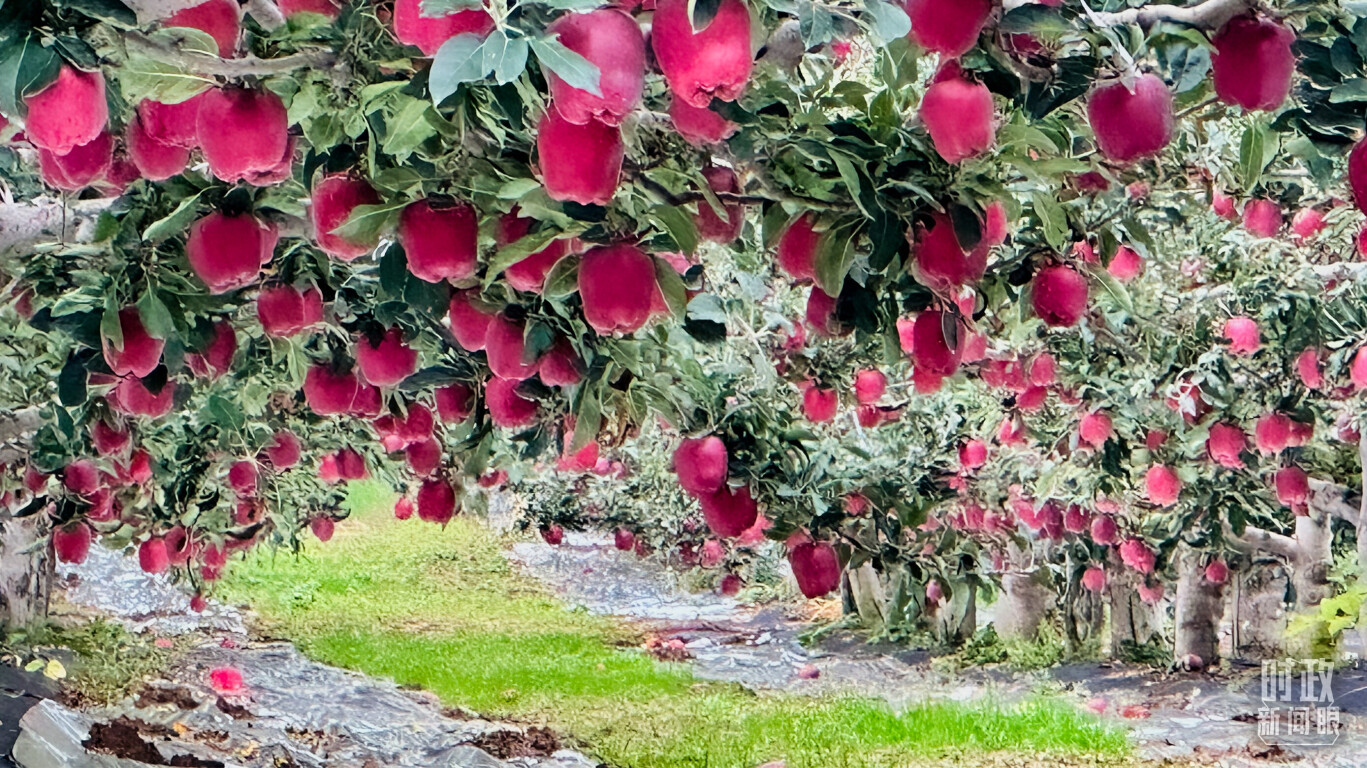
<point>1172,716</point>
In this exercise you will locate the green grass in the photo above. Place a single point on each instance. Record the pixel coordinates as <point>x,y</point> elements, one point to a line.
<point>440,609</point>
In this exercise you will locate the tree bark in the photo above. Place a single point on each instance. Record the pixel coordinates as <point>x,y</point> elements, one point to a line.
<point>1027,597</point>
<point>868,596</point>
<point>1133,621</point>
<point>25,571</point>
<point>1198,611</point>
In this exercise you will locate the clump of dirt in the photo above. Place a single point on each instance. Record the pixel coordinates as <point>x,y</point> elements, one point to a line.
<point>533,742</point>
<point>122,738</point>
<point>178,696</point>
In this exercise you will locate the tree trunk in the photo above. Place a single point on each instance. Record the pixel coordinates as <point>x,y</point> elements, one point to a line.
<point>1314,555</point>
<point>868,596</point>
<point>1133,621</point>
<point>25,571</point>
<point>1027,597</point>
<point>1198,611</point>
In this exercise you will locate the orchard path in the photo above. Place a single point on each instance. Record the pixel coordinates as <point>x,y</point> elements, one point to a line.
<point>291,712</point>
<point>1189,717</point>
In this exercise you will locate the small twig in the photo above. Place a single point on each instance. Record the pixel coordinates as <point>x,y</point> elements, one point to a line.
<point>202,64</point>
<point>266,14</point>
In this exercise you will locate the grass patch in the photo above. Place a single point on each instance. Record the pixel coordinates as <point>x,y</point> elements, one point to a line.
<point>441,609</point>
<point>106,664</point>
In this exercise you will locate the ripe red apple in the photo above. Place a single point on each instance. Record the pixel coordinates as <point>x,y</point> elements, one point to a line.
<point>152,557</point>
<point>553,534</point>
<point>403,508</point>
<point>71,542</point>
<point>529,274</point>
<point>155,160</point>
<point>411,27</point>
<point>285,310</point>
<point>713,62</point>
<point>1357,372</point>
<point>351,465</point>
<point>131,397</point>
<point>816,568</point>
<point>941,262</point>
<point>1223,205</point>
<point>327,8</point>
<point>173,124</point>
<point>216,358</point>
<point>1225,443</point>
<point>1162,485</point>
<point>1243,335</point>
<point>1095,429</point>
<point>729,513</point>
<point>329,392</point>
<point>1263,218</point>
<point>1094,579</point>
<point>699,126</point>
<point>972,455</point>
<point>1272,433</point>
<point>1103,530</point>
<point>455,403</point>
<point>931,351</point>
<point>436,501</point>
<point>139,353</point>
<point>241,131</point>
<point>82,166</point>
<point>81,477</point>
<point>68,113</point>
<point>958,114</point>
<point>1059,295</point>
<point>560,366</point>
<point>1307,224</point>
<point>505,344</point>
<point>423,457</point>
<point>228,252</point>
<point>441,243</point>
<point>578,163</point>
<point>1137,555</point>
<point>1357,174</point>
<point>283,451</point>
<point>109,439</point>
<point>506,407</point>
<point>1131,124</point>
<point>711,226</point>
<point>1217,572</point>
<point>242,477</point>
<point>797,248</point>
<point>1253,62</point>
<point>322,527</point>
<point>612,41</point>
<point>334,199</point>
<point>701,464</point>
<point>819,405</point>
<point>1308,366</point>
<point>617,285</point>
<point>869,386</point>
<point>821,313</point>
<point>220,19</point>
<point>469,322</point>
<point>1126,264</point>
<point>624,539</point>
<point>387,363</point>
<point>1293,487</point>
<point>947,27</point>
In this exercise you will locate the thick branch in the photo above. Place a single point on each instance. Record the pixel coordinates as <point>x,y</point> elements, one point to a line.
<point>16,427</point>
<point>203,64</point>
<point>48,219</point>
<point>1211,14</point>
<point>1257,539</point>
<point>1334,499</point>
<point>266,14</point>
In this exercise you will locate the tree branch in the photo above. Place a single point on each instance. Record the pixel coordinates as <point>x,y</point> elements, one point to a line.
<point>1334,499</point>
<point>266,14</point>
<point>1211,14</point>
<point>202,64</point>
<point>49,219</point>
<point>1263,541</point>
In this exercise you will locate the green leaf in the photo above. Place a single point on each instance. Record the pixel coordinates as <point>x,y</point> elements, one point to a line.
<point>679,225</point>
<point>570,5</point>
<point>575,70</point>
<point>435,9</point>
<point>145,78</point>
<point>71,382</point>
<point>672,287</point>
<point>563,279</point>
<point>366,222</point>
<point>156,318</point>
<point>517,189</point>
<point>514,252</point>
<point>888,21</point>
<point>815,23</point>
<point>174,223</point>
<point>588,420</point>
<point>458,61</point>
<point>834,257</point>
<point>111,11</point>
<point>857,183</point>
<point>1055,221</point>
<point>1033,19</point>
<point>504,56</point>
<point>702,12</point>
<point>408,128</point>
<point>1256,150</point>
<point>110,328</point>
<point>26,67</point>
<point>1349,91</point>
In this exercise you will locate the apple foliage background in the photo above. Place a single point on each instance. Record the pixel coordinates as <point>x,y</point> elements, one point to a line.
<point>827,127</point>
